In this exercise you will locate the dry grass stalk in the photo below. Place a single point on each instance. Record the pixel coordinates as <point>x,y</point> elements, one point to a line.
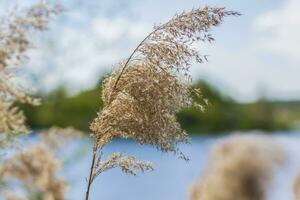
<point>15,41</point>
<point>142,96</point>
<point>296,187</point>
<point>35,168</point>
<point>240,167</point>
<point>143,93</point>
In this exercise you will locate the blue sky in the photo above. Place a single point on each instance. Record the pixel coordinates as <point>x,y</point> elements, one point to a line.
<point>255,54</point>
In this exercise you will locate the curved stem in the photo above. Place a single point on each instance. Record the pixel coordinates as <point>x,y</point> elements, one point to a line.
<point>132,54</point>
<point>130,57</point>
<point>139,45</point>
<point>90,180</point>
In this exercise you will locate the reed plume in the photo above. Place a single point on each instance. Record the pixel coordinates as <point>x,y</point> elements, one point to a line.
<point>144,92</point>
<point>15,41</point>
<point>240,167</point>
<point>35,169</point>
<point>296,187</point>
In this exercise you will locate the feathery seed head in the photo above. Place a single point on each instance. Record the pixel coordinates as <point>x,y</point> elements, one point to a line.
<point>141,98</point>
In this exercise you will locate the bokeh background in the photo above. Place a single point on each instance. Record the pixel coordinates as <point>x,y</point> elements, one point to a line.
<point>251,81</point>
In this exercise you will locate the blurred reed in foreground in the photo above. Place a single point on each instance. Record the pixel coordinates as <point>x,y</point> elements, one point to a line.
<point>16,32</point>
<point>240,167</point>
<point>33,170</point>
<point>296,187</point>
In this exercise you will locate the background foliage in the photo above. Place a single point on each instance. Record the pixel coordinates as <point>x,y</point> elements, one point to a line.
<point>222,114</point>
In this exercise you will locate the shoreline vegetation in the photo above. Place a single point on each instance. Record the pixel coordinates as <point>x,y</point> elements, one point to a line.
<point>222,114</point>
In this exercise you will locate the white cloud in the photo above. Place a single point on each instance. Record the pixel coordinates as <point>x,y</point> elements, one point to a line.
<point>116,29</point>
<point>84,45</point>
<point>280,29</point>
<point>76,55</point>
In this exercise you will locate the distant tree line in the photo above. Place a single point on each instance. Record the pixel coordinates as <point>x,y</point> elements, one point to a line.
<point>222,112</point>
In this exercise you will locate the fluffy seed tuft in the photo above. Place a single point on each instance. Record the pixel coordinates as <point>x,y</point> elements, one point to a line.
<point>142,96</point>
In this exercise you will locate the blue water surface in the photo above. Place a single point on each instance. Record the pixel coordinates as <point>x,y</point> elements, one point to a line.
<point>172,176</point>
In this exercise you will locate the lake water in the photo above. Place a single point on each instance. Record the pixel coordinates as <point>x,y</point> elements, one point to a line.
<point>172,176</point>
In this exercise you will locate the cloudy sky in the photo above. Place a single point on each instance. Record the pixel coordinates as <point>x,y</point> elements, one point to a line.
<point>255,54</point>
